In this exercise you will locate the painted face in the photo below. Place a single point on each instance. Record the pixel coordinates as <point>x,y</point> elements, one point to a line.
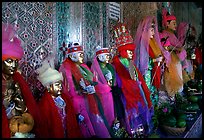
<point>56,88</point>
<point>130,54</point>
<point>9,66</point>
<point>172,25</point>
<point>104,58</point>
<point>77,57</point>
<point>151,32</point>
<point>107,58</point>
<point>81,57</point>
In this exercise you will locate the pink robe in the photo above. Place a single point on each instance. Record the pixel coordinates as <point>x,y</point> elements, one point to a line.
<point>95,125</point>
<point>176,43</point>
<point>107,98</point>
<point>77,101</point>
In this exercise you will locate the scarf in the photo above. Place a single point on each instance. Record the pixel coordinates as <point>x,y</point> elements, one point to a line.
<point>49,110</point>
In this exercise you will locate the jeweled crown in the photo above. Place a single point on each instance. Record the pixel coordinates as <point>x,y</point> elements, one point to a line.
<point>122,35</point>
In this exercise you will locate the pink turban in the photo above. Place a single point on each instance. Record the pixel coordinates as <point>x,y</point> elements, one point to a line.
<point>11,45</point>
<point>166,17</point>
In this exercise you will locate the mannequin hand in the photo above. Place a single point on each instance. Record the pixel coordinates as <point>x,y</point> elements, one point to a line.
<point>159,59</point>
<point>108,76</point>
<point>82,83</point>
<point>80,118</point>
<point>90,89</point>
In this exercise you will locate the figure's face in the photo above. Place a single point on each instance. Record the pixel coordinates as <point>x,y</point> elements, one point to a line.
<point>104,58</point>
<point>9,66</point>
<point>107,58</point>
<point>172,25</point>
<point>56,88</point>
<point>130,54</point>
<point>77,57</point>
<point>81,57</point>
<point>151,32</point>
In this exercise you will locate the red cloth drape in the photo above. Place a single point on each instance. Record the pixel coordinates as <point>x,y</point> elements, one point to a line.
<point>156,70</point>
<point>5,124</point>
<point>130,87</point>
<point>53,123</point>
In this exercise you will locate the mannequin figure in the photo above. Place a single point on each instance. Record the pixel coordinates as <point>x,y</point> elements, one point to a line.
<point>85,92</point>
<point>176,50</point>
<point>149,54</point>
<point>137,102</point>
<point>106,75</point>
<point>171,79</point>
<point>56,106</point>
<point>20,115</point>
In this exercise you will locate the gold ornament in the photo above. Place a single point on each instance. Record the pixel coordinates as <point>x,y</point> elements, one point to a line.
<point>22,124</point>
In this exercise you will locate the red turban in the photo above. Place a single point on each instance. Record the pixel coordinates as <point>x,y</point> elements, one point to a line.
<point>123,49</point>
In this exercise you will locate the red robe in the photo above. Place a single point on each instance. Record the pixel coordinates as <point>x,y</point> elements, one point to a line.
<point>130,87</point>
<point>31,106</point>
<point>54,123</point>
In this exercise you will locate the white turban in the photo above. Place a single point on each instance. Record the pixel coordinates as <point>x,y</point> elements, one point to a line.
<point>48,75</point>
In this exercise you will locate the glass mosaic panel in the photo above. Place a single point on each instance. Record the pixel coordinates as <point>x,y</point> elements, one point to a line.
<point>83,22</point>
<point>44,27</point>
<point>94,27</point>
<point>91,28</point>
<point>63,26</point>
<point>105,19</point>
